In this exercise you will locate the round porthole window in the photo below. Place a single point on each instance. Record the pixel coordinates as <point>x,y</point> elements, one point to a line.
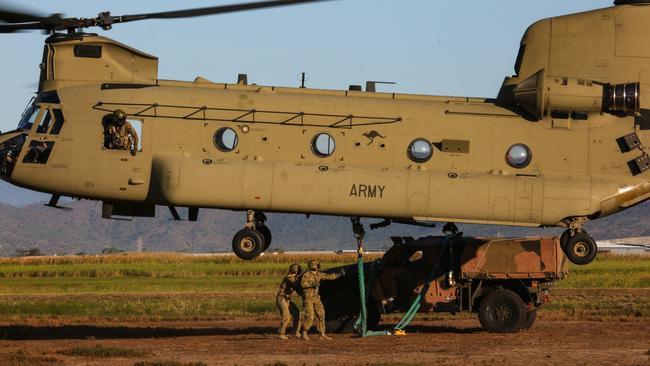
<point>519,156</point>
<point>225,139</point>
<point>420,151</point>
<point>323,145</point>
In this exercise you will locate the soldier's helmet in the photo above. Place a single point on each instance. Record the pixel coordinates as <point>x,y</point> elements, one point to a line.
<point>119,115</point>
<point>313,265</point>
<point>294,268</point>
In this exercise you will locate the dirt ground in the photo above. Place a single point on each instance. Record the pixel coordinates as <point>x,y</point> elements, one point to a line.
<point>253,342</point>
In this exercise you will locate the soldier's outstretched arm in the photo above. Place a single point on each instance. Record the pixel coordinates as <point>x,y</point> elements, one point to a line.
<point>330,276</point>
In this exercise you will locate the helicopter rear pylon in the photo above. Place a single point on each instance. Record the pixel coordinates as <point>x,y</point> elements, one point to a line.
<point>251,241</point>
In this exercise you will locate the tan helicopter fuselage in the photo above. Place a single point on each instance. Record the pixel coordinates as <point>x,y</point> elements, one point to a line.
<point>578,168</point>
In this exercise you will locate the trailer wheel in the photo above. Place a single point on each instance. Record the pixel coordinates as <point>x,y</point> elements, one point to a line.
<point>529,320</point>
<point>502,311</point>
<point>345,323</point>
<point>342,324</point>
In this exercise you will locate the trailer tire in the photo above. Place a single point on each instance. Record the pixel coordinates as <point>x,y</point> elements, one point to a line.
<point>502,311</point>
<point>345,323</point>
<point>374,317</point>
<point>529,320</point>
<point>341,325</point>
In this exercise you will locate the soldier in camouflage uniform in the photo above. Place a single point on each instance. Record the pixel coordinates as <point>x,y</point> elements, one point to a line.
<point>119,134</point>
<point>290,284</point>
<point>313,306</point>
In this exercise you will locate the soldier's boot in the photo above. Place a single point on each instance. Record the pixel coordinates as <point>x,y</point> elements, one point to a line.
<point>283,337</point>
<point>298,335</point>
<point>305,336</point>
<point>325,337</point>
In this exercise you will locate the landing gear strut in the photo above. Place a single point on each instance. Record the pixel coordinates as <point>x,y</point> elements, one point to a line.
<point>578,246</point>
<point>254,238</point>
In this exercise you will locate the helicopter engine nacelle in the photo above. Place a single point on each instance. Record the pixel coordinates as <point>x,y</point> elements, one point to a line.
<point>540,95</point>
<point>593,61</point>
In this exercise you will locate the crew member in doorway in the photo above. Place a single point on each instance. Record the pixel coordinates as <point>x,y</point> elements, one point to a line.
<point>119,134</point>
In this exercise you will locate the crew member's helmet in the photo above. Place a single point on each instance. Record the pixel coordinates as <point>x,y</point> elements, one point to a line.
<point>294,268</point>
<point>119,115</point>
<point>313,265</point>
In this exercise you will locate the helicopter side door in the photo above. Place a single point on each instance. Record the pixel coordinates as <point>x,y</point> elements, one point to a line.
<point>125,172</point>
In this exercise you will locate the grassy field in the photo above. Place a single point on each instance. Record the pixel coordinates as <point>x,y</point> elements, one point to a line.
<point>182,287</point>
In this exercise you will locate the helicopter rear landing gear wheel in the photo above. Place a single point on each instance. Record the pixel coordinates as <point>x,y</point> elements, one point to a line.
<point>248,244</point>
<point>581,248</point>
<point>578,246</point>
<point>266,234</point>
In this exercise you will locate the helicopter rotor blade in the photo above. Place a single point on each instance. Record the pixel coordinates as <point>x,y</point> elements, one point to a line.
<point>12,16</point>
<point>12,28</point>
<point>14,21</point>
<point>211,10</point>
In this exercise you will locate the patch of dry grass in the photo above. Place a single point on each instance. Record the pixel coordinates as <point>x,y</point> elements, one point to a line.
<point>23,359</point>
<point>100,351</point>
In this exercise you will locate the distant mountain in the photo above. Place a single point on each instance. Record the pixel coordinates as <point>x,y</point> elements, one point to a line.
<point>83,230</point>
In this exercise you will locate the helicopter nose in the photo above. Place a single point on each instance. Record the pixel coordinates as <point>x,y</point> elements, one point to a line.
<point>10,145</point>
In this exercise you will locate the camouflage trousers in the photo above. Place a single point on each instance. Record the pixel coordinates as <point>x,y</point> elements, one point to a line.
<point>288,310</point>
<point>314,308</point>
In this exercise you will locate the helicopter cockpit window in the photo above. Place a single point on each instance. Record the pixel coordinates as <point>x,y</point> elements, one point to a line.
<point>225,139</point>
<point>29,117</point>
<point>323,145</point>
<point>38,152</point>
<point>45,122</point>
<point>420,151</point>
<point>58,122</point>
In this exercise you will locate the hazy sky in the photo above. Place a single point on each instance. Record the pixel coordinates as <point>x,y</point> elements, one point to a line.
<point>425,46</point>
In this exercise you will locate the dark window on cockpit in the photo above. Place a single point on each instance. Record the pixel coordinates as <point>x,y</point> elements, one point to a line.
<point>45,122</point>
<point>51,97</point>
<point>58,122</point>
<point>38,152</point>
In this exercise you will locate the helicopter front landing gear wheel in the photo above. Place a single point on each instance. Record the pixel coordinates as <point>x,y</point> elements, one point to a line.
<point>580,248</point>
<point>248,244</point>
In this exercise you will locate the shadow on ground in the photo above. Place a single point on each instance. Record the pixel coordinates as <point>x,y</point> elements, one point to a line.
<point>22,333</point>
<point>443,329</point>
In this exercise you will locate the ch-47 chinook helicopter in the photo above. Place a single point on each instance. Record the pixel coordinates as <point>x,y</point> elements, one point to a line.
<point>562,144</point>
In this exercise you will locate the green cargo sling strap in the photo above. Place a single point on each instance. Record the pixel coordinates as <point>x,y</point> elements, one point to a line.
<point>361,324</point>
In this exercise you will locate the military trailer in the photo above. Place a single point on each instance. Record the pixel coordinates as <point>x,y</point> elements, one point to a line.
<point>504,281</point>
